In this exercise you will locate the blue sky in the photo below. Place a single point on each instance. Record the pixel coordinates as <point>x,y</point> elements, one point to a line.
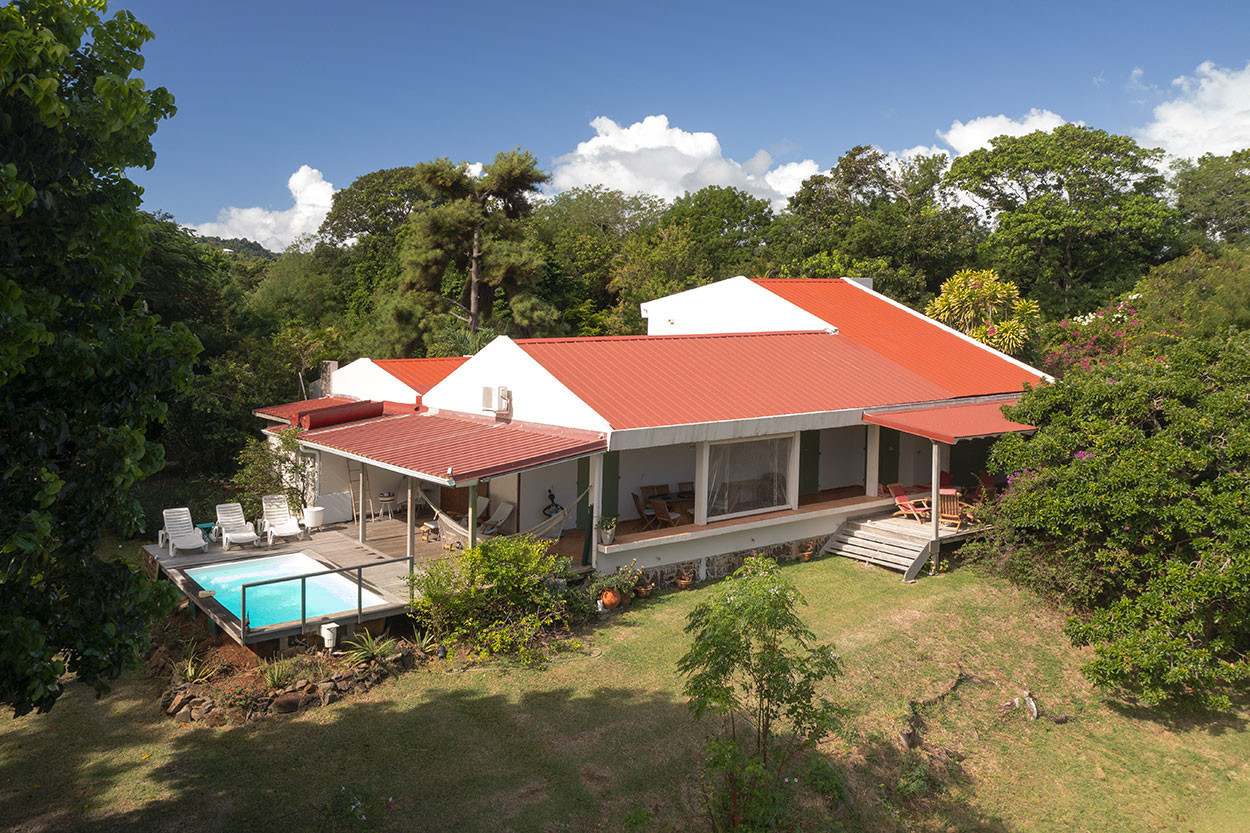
<point>264,88</point>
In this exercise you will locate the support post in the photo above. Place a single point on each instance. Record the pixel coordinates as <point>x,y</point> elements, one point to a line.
<point>473,515</point>
<point>792,478</point>
<point>700,484</point>
<point>872,461</point>
<point>934,494</point>
<point>596,506</point>
<point>360,510</point>
<point>411,539</point>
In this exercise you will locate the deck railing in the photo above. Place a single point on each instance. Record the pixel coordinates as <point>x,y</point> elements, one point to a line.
<point>303,588</point>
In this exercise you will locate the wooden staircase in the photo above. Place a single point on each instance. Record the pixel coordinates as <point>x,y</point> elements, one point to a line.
<point>890,545</point>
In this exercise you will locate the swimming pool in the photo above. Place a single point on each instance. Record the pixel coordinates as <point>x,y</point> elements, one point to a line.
<point>276,603</point>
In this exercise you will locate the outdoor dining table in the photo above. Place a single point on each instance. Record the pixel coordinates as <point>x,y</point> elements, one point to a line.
<point>677,501</point>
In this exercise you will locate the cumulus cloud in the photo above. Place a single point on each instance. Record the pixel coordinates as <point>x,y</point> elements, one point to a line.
<point>964,137</point>
<point>1209,113</point>
<point>275,230</point>
<point>653,157</point>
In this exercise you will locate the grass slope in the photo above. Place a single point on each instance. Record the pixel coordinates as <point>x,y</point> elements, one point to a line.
<point>591,741</point>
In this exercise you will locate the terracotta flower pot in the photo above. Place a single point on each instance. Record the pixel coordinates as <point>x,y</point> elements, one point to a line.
<point>611,599</point>
<point>683,583</point>
<point>643,591</point>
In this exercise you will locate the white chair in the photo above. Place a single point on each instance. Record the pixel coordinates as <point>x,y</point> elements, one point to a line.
<point>483,506</point>
<point>278,522</point>
<point>233,528</point>
<point>497,518</point>
<point>181,533</point>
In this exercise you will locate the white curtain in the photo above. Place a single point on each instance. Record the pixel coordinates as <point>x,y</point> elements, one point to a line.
<point>748,476</point>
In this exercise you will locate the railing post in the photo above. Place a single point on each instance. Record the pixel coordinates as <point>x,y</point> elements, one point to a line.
<point>412,566</point>
<point>243,613</point>
<point>360,594</point>
<point>303,602</point>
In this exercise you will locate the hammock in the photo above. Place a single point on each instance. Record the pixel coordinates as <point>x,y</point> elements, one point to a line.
<point>542,530</point>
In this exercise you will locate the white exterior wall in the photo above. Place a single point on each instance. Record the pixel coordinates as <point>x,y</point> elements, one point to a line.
<point>560,478</point>
<point>915,459</point>
<point>842,456</point>
<point>669,464</point>
<point>506,490</point>
<point>736,305</point>
<point>362,379</point>
<point>537,396</point>
<point>333,491</point>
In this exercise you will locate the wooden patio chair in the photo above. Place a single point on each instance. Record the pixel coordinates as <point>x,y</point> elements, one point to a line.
<point>908,506</point>
<point>685,486</point>
<point>644,512</point>
<point>951,509</point>
<point>649,492</point>
<point>986,487</point>
<point>662,514</point>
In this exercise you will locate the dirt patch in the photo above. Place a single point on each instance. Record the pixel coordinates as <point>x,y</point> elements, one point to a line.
<point>595,779</point>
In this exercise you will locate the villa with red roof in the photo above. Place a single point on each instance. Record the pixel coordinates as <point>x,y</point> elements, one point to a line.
<point>754,414</point>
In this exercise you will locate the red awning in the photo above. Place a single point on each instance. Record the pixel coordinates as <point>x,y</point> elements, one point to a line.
<point>951,423</point>
<point>453,448</point>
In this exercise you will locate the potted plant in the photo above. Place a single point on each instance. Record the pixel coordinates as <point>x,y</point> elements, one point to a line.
<point>684,580</point>
<point>607,529</point>
<point>806,551</point>
<point>616,589</point>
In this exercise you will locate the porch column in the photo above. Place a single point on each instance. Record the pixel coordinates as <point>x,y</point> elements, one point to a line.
<point>360,510</point>
<point>473,514</point>
<point>700,483</point>
<point>792,479</point>
<point>411,538</point>
<point>596,506</point>
<point>934,486</point>
<point>872,462</point>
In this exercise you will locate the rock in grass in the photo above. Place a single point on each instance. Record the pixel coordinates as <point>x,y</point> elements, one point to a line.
<point>288,702</point>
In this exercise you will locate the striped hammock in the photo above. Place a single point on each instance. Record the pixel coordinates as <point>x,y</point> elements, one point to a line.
<point>550,528</point>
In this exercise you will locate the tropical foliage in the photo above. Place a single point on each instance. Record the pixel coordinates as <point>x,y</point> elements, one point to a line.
<point>989,309</point>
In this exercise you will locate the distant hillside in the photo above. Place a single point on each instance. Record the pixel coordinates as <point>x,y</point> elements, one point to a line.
<point>247,248</point>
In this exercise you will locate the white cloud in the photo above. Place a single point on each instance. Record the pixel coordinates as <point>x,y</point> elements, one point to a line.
<point>654,158</point>
<point>1210,113</point>
<point>275,230</point>
<point>964,137</point>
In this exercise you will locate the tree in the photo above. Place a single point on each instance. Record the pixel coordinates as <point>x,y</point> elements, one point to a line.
<point>470,243</point>
<point>1213,195</point>
<point>1080,213</point>
<point>728,227</point>
<point>266,468</point>
<point>752,660</point>
<point>898,215</point>
<point>83,374</point>
<point>580,233</point>
<point>1130,504</point>
<point>652,265</point>
<point>980,304</point>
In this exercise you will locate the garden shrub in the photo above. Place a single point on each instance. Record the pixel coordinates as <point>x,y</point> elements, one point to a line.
<point>499,597</point>
<point>1131,503</point>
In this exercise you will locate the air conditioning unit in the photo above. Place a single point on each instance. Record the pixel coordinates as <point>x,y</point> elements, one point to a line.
<point>496,399</point>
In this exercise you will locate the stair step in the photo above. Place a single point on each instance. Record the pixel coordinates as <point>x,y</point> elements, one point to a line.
<point>920,533</point>
<point>895,547</point>
<point>862,553</point>
<point>889,535</point>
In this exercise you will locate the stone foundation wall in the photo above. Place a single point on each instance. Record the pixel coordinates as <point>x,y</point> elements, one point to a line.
<point>719,566</point>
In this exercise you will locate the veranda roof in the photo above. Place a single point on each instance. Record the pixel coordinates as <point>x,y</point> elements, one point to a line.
<point>951,423</point>
<point>452,448</point>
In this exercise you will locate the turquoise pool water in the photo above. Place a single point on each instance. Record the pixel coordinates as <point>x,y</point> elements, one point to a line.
<point>276,603</point>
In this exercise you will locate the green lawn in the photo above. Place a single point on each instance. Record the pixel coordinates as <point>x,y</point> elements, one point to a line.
<point>601,737</point>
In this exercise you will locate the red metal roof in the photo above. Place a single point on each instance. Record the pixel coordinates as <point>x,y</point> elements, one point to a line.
<point>421,374</point>
<point>648,381</point>
<point>913,341</point>
<point>291,410</point>
<point>951,423</point>
<point>472,447</point>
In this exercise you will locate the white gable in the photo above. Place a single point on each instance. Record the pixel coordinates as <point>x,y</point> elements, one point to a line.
<point>537,396</point>
<point>362,379</point>
<point>734,305</point>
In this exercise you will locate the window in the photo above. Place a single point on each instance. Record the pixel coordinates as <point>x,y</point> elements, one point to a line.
<point>747,477</point>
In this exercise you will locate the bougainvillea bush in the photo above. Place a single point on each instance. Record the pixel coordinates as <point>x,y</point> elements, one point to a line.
<point>1131,503</point>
